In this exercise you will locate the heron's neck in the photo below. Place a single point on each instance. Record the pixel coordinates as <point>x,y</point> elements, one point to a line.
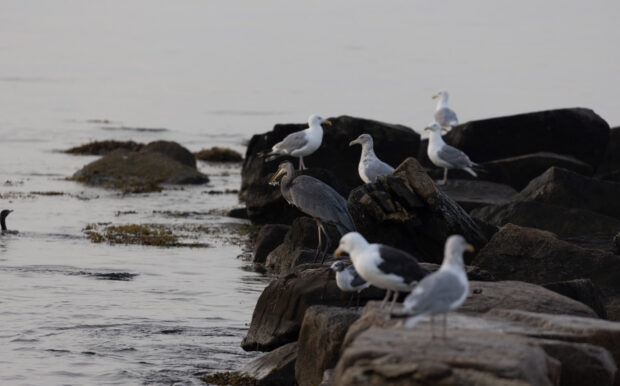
<point>435,138</point>
<point>442,102</point>
<point>3,223</point>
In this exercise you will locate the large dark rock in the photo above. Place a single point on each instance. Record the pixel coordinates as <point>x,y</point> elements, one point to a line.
<point>609,169</point>
<point>471,194</point>
<point>576,132</point>
<point>407,211</point>
<point>393,143</point>
<point>276,368</point>
<point>581,290</point>
<point>563,221</point>
<point>265,203</point>
<point>572,190</point>
<point>535,256</point>
<point>172,150</point>
<point>269,237</point>
<point>322,332</point>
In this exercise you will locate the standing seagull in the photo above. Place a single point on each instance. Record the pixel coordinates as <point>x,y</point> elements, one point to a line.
<point>370,167</point>
<point>443,290</point>
<point>314,198</point>
<point>444,115</point>
<point>300,143</point>
<point>382,266</point>
<point>348,280</point>
<point>446,156</point>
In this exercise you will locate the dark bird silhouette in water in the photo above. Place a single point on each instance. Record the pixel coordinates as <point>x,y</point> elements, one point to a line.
<point>3,216</point>
<point>315,198</point>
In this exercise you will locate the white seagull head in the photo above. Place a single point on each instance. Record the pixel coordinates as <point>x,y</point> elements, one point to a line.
<point>338,266</point>
<point>441,94</point>
<point>362,140</point>
<point>433,127</point>
<point>315,121</point>
<point>455,246</point>
<point>349,243</point>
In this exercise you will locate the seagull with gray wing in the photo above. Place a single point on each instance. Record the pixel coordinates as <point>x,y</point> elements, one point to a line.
<point>300,143</point>
<point>370,167</point>
<point>348,280</point>
<point>444,115</point>
<point>445,156</point>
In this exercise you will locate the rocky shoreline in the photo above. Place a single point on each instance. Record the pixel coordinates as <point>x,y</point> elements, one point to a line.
<point>544,302</point>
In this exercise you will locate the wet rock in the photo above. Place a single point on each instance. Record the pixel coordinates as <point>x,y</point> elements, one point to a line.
<point>219,154</point>
<point>265,203</point>
<point>572,190</point>
<point>276,368</point>
<point>576,132</point>
<point>563,221</point>
<point>322,332</point>
<point>281,307</point>
<point>131,171</point>
<point>104,147</point>
<point>172,150</point>
<point>581,290</point>
<point>609,169</point>
<point>299,245</point>
<point>470,194</point>
<point>535,256</point>
<point>241,213</point>
<point>269,237</point>
<point>407,211</point>
<point>393,143</point>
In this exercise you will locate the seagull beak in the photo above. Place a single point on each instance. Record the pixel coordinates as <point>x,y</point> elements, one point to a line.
<point>327,122</point>
<point>470,248</point>
<point>354,142</point>
<point>436,96</point>
<point>338,252</point>
<point>427,128</point>
<point>277,175</point>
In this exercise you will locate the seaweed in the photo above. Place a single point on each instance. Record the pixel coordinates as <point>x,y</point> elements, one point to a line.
<point>219,154</point>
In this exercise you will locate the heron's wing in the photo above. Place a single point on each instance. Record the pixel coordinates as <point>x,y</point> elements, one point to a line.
<point>357,279</point>
<point>435,293</point>
<point>446,117</point>
<point>400,263</point>
<point>320,200</point>
<point>291,142</point>
<point>454,156</point>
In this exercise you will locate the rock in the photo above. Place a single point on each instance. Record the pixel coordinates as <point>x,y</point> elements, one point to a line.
<point>276,368</point>
<point>616,243</point>
<point>123,169</point>
<point>171,150</point>
<point>299,245</point>
<point>265,203</point>
<point>281,307</point>
<point>219,154</point>
<point>572,190</point>
<point>269,237</point>
<point>470,194</point>
<point>537,256</point>
<point>576,132</point>
<point>241,213</point>
<point>565,222</point>
<point>407,211</point>
<point>609,169</point>
<point>581,290</point>
<point>393,143</point>
<point>322,332</point>
<point>104,147</point>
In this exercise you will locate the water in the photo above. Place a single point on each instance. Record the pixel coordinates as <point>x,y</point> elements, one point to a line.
<point>207,73</point>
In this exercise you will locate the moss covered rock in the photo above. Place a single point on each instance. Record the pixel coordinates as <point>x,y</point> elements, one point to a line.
<point>104,147</point>
<point>219,154</point>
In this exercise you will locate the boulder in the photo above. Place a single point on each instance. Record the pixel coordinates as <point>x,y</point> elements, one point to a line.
<point>535,256</point>
<point>609,169</point>
<point>122,169</point>
<point>276,368</point>
<point>565,222</point>
<point>576,132</point>
<point>269,237</point>
<point>409,212</point>
<point>322,332</point>
<point>581,290</point>
<point>562,187</point>
<point>616,244</point>
<point>280,309</point>
<point>471,194</point>
<point>172,150</point>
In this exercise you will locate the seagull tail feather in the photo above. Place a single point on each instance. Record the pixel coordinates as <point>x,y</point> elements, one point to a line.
<point>470,171</point>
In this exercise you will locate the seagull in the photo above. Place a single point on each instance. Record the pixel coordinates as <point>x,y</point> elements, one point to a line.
<point>314,198</point>
<point>348,280</point>
<point>382,266</point>
<point>3,216</point>
<point>446,156</point>
<point>443,290</point>
<point>300,143</point>
<point>370,167</point>
<point>444,115</point>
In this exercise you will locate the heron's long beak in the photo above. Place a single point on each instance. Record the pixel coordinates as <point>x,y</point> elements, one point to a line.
<point>338,252</point>
<point>427,128</point>
<point>327,122</point>
<point>277,175</point>
<point>470,248</point>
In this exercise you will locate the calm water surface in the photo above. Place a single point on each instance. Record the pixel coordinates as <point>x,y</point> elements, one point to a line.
<point>207,73</point>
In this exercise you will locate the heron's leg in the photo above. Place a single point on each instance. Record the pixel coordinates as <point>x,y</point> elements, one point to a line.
<point>445,322</point>
<point>432,327</point>
<point>302,166</point>
<point>318,247</point>
<point>327,241</point>
<point>387,296</point>
<point>393,300</point>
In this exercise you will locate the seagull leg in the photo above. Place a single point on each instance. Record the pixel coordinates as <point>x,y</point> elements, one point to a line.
<point>394,300</point>
<point>445,177</point>
<point>302,166</point>
<point>318,247</point>
<point>387,296</point>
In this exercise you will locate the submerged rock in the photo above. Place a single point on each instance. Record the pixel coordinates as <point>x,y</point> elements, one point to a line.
<point>219,154</point>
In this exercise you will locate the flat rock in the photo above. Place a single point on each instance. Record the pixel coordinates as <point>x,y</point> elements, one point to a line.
<point>322,332</point>
<point>409,212</point>
<point>575,132</point>
<point>470,194</point>
<point>276,368</point>
<point>269,237</point>
<point>581,290</point>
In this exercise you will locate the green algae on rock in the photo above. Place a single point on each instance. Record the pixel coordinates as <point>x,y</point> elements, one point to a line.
<point>219,154</point>
<point>229,378</point>
<point>104,147</point>
<point>147,234</point>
